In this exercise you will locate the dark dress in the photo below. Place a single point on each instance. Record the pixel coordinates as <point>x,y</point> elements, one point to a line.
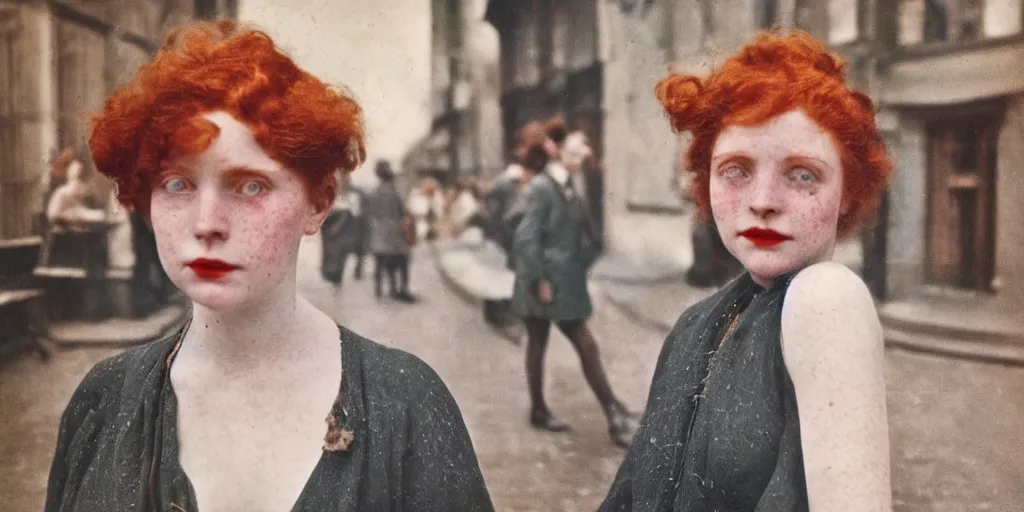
<point>721,430</point>
<point>117,447</point>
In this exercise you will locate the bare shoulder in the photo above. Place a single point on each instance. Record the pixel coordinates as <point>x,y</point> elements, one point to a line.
<point>827,291</point>
<point>834,354</point>
<point>828,307</point>
<point>830,281</point>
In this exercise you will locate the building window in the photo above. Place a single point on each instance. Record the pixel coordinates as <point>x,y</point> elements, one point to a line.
<point>560,34</point>
<point>526,69</point>
<point>582,44</point>
<point>957,21</point>
<point>206,9</point>
<point>767,13</point>
<point>707,18</point>
<point>812,16</point>
<point>961,200</point>
<point>843,21</point>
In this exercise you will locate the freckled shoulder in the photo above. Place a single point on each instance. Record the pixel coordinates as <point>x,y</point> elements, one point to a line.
<point>828,304</point>
<point>827,284</point>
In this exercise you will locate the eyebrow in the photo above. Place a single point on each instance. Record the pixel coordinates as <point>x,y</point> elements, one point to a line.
<point>231,173</point>
<point>249,171</point>
<point>796,156</point>
<point>733,155</point>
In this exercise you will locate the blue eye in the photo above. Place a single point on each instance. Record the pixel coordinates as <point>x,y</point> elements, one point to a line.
<point>252,188</point>
<point>733,171</point>
<point>803,175</point>
<point>174,185</point>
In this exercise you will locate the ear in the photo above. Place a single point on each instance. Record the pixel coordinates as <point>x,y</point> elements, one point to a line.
<point>323,199</point>
<point>316,217</point>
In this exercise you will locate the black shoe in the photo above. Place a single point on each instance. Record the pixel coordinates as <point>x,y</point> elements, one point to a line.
<point>404,297</point>
<point>622,425</point>
<point>545,421</point>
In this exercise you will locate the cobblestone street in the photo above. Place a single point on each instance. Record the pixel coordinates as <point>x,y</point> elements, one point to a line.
<point>955,424</point>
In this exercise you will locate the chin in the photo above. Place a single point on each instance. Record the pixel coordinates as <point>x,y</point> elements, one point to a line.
<point>768,265</point>
<point>216,298</point>
<point>220,296</point>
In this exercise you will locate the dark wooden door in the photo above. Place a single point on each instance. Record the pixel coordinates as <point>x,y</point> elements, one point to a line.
<point>961,202</point>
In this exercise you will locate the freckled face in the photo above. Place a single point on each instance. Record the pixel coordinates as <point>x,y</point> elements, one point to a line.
<point>228,221</point>
<point>776,194</point>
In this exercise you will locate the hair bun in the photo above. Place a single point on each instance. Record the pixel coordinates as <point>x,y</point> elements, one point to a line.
<point>680,96</point>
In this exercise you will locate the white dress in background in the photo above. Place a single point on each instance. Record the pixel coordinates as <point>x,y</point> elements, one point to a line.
<point>120,253</point>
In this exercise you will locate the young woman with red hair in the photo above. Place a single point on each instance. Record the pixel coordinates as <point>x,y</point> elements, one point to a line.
<point>770,394</point>
<point>229,148</point>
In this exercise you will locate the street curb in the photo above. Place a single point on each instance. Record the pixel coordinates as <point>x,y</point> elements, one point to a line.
<point>449,281</point>
<point>983,347</point>
<point>462,291</point>
<point>913,338</point>
<point>669,276</point>
<point>175,319</point>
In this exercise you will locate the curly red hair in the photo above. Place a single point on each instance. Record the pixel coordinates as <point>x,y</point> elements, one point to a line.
<point>303,123</point>
<point>770,76</point>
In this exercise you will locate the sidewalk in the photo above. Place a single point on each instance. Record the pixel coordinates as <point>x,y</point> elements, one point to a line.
<point>475,269</point>
<point>656,297</point>
<point>931,326</point>
<point>118,332</point>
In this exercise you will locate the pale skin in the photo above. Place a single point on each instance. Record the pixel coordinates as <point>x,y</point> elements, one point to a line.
<point>786,175</point>
<point>259,367</point>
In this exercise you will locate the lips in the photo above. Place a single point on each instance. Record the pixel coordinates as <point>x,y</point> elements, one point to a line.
<point>764,237</point>
<point>211,269</point>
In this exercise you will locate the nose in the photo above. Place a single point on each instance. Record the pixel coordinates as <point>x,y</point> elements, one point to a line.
<point>764,200</point>
<point>210,221</point>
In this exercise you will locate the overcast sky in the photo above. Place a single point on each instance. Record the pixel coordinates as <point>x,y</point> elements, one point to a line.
<point>378,49</point>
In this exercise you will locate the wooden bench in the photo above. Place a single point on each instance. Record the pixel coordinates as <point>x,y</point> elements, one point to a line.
<point>23,322</point>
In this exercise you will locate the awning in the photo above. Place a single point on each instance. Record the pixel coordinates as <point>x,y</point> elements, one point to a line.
<point>960,77</point>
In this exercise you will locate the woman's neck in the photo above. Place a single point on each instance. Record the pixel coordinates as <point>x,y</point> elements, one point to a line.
<point>279,330</point>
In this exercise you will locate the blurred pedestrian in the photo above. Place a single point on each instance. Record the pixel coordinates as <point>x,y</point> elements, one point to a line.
<point>551,287</point>
<point>344,233</point>
<point>389,243</point>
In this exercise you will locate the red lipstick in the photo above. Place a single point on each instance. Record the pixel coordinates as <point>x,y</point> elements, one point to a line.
<point>764,237</point>
<point>210,269</point>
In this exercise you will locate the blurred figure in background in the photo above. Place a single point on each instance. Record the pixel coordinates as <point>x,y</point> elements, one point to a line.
<point>120,249</point>
<point>344,233</point>
<point>426,203</point>
<point>505,203</point>
<point>66,210</point>
<point>385,212</point>
<point>551,261</point>
<point>499,199</point>
<point>48,183</point>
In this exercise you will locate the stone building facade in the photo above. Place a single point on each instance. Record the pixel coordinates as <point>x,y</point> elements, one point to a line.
<point>947,79</point>
<point>58,62</point>
<point>465,138</point>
